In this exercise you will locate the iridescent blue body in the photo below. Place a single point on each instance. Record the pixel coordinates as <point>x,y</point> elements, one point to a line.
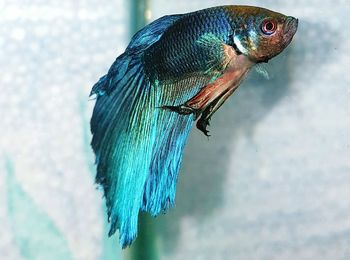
<point>178,53</point>
<point>174,70</point>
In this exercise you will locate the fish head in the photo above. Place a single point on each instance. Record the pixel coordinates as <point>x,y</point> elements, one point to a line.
<point>262,34</point>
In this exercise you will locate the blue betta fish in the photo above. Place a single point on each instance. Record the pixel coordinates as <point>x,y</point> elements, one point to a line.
<point>176,70</point>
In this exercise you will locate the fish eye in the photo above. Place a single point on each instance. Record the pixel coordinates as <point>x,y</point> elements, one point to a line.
<point>268,26</point>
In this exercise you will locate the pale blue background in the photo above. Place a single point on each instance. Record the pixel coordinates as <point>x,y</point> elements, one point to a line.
<point>272,182</point>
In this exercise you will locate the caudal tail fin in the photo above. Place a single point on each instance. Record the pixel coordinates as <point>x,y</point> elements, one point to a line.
<point>138,145</point>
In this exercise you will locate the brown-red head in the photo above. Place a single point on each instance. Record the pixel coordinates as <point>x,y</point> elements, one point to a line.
<point>259,33</point>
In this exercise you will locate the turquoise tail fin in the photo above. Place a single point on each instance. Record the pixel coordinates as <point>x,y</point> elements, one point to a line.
<point>138,145</point>
<point>123,149</point>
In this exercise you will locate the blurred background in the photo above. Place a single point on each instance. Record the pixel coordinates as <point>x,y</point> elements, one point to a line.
<point>272,182</point>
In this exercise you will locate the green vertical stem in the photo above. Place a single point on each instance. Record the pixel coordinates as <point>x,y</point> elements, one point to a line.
<point>138,19</point>
<point>144,247</point>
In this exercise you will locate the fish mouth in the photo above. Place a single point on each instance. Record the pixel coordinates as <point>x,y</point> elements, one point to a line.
<point>290,28</point>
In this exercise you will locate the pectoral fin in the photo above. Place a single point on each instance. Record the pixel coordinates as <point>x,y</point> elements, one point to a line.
<point>203,121</point>
<point>208,94</point>
<point>209,99</point>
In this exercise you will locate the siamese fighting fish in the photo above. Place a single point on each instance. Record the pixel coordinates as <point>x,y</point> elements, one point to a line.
<point>177,70</point>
